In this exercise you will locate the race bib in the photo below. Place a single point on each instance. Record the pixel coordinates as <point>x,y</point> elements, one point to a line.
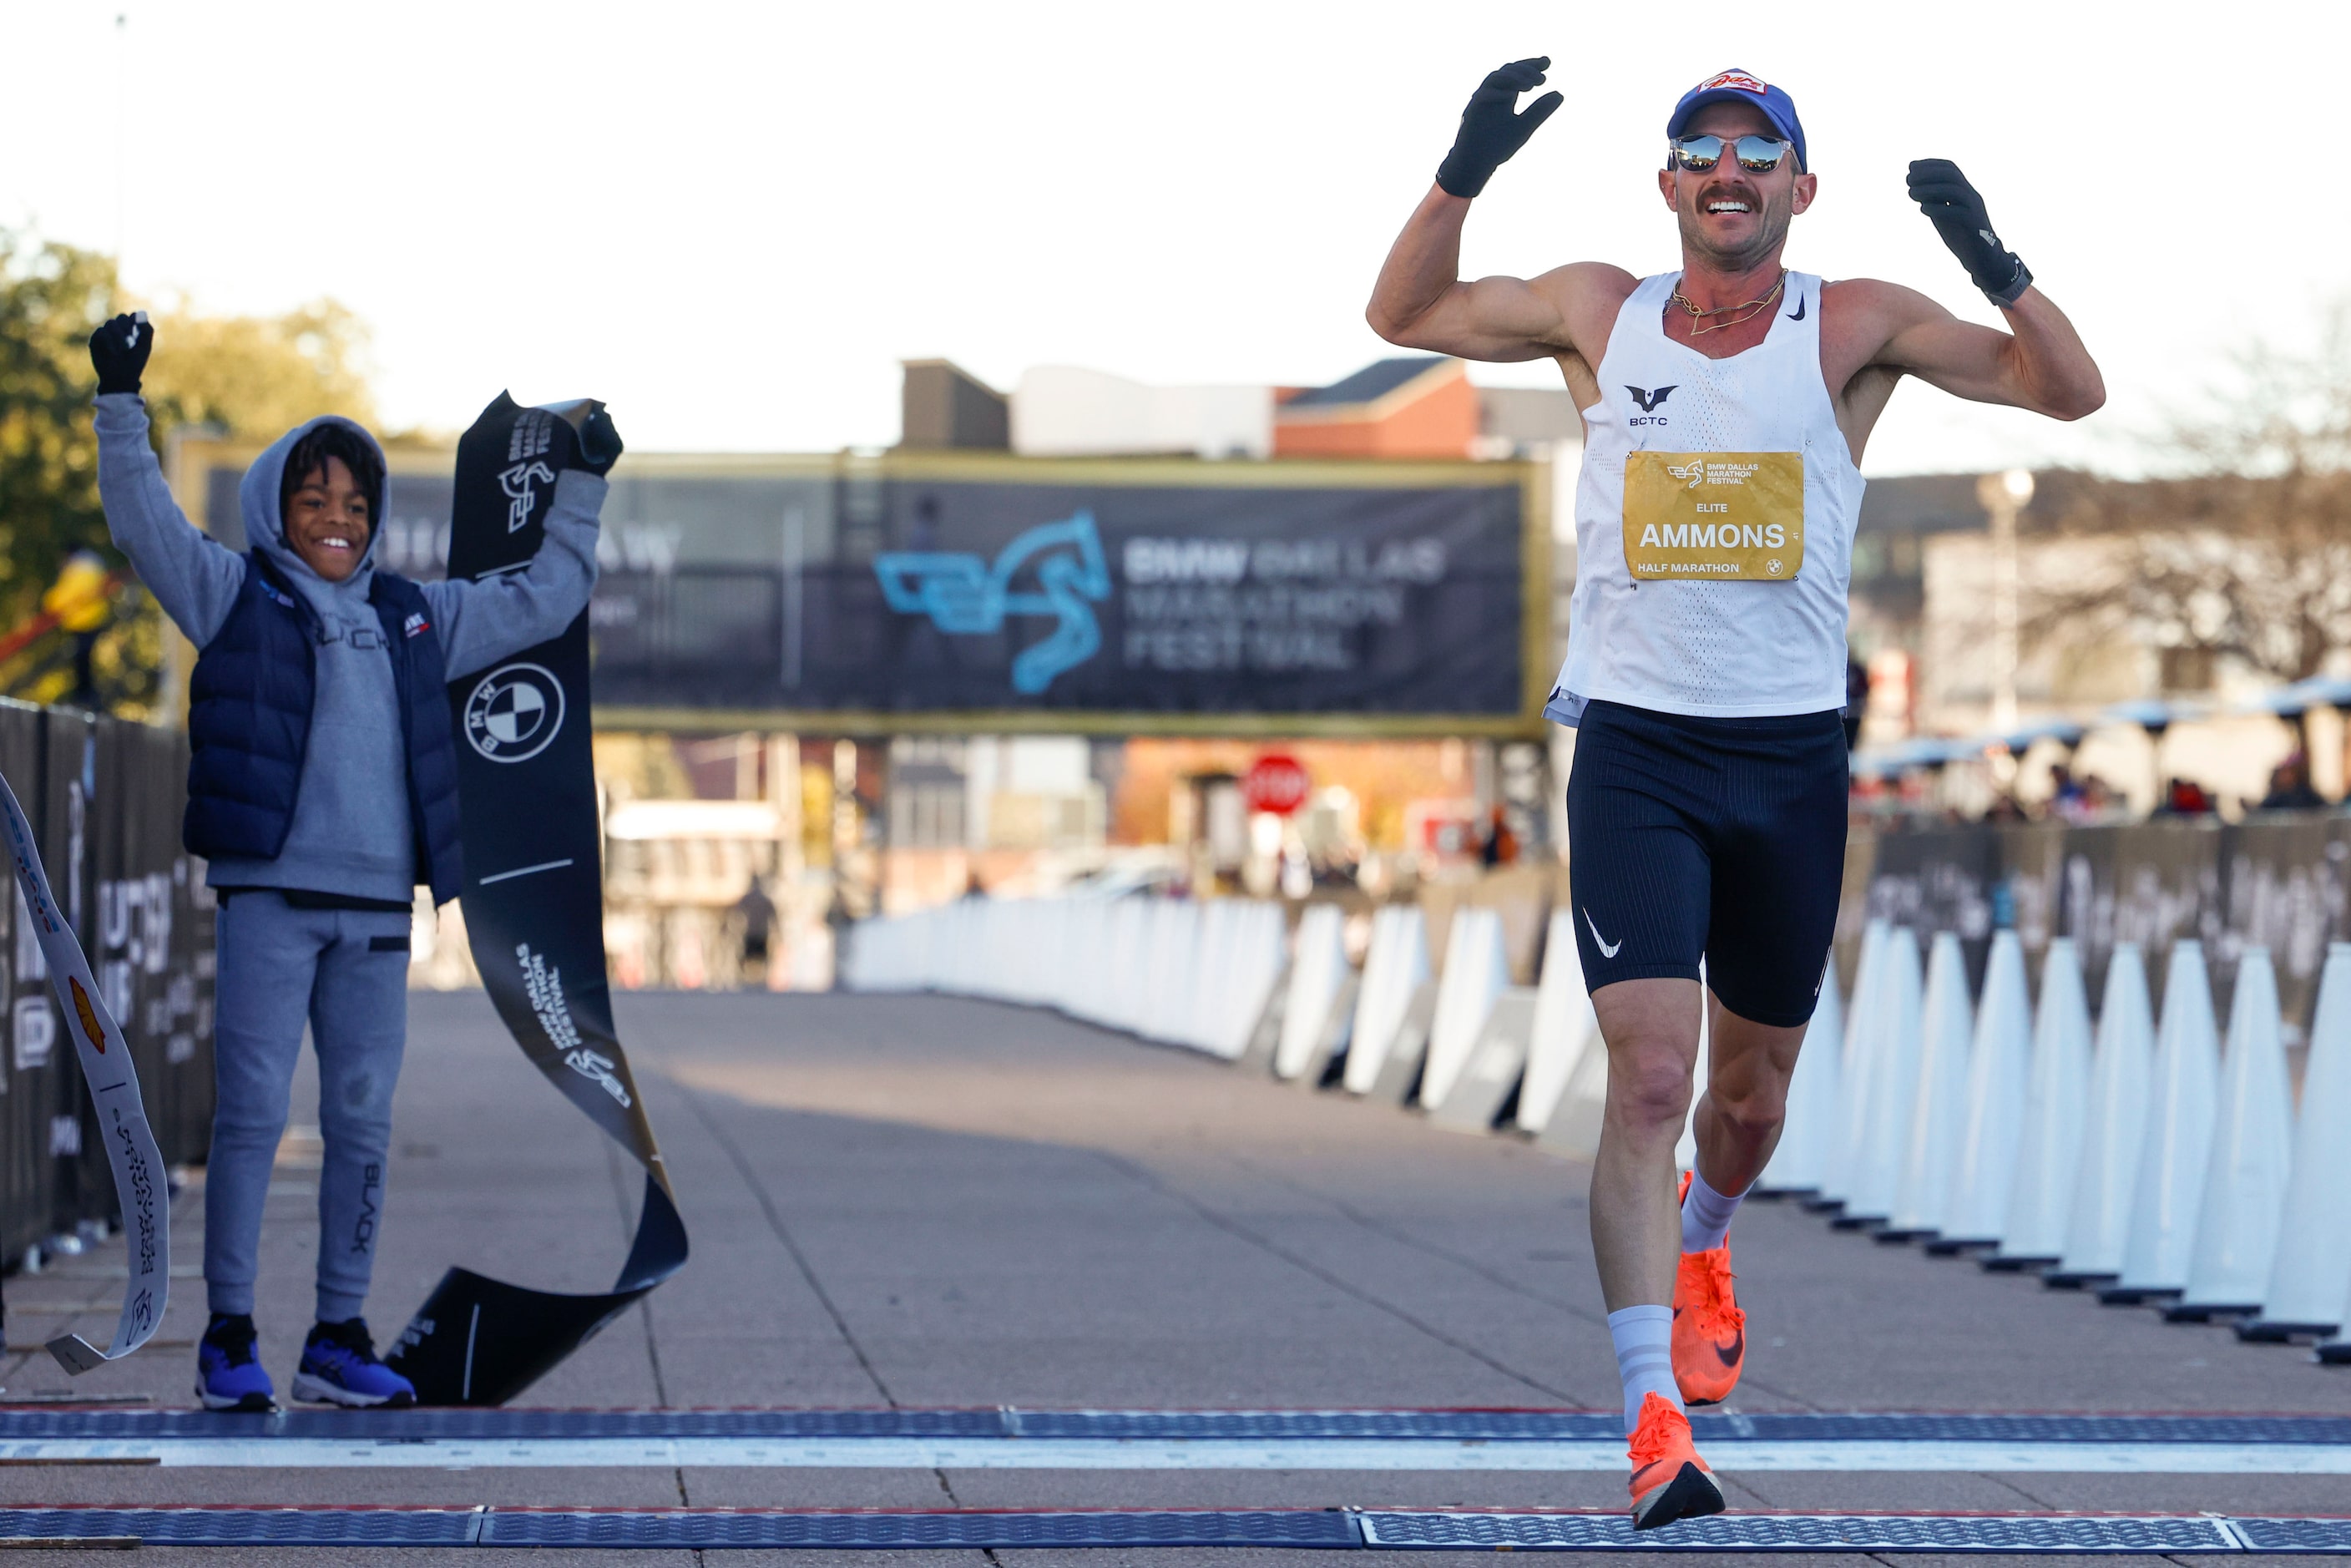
<point>1720,516</point>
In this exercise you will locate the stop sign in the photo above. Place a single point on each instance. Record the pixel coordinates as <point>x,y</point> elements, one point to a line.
<point>1275,783</point>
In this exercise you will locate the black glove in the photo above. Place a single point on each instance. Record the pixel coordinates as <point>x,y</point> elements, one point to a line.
<point>1492,127</point>
<point>118,350</point>
<point>1958,214</point>
<point>600,444</point>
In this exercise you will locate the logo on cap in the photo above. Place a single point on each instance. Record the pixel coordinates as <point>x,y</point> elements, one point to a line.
<point>1738,79</point>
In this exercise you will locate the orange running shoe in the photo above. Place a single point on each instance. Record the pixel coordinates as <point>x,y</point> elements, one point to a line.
<point>1710,1329</point>
<point>1669,1480</point>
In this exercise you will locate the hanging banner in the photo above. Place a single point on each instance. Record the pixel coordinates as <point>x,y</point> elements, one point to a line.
<point>534,907</point>
<point>107,1067</point>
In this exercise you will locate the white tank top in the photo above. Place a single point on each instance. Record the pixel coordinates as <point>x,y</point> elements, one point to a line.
<point>1676,636</point>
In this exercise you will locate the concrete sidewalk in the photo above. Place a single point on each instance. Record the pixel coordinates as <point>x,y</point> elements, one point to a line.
<point>919,1202</point>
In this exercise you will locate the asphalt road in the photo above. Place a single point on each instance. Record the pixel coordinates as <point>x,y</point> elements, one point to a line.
<point>921,1202</point>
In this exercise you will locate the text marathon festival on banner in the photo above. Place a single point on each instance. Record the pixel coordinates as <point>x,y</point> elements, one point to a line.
<point>534,915</point>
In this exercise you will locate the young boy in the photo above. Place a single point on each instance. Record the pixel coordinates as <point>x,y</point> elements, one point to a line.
<point>323,789</point>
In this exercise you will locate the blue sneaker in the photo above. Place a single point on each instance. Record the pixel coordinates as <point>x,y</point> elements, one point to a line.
<point>229,1375</point>
<point>338,1367</point>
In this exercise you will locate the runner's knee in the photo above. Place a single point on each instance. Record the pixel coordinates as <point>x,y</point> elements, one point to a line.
<point>1755,1110</point>
<point>1649,1086</point>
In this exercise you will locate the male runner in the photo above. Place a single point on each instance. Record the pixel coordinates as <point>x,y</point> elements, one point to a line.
<point>1725,408</point>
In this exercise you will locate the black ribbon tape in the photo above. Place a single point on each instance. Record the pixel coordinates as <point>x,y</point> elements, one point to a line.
<point>534,907</point>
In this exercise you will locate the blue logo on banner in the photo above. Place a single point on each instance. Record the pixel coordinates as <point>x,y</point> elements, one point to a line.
<point>966,597</point>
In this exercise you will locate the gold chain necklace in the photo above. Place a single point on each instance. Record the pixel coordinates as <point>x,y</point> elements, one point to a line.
<point>1754,307</point>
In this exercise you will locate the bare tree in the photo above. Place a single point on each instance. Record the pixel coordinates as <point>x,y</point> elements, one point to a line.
<point>2243,549</point>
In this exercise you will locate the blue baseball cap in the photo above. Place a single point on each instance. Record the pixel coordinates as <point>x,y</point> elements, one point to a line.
<point>1736,85</point>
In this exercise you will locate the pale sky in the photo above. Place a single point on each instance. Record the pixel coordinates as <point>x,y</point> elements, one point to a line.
<point>732,221</point>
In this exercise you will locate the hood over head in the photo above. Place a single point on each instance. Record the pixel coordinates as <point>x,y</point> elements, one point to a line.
<point>265,522</point>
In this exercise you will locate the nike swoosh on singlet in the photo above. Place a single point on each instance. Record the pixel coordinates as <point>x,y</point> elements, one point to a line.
<point>1605,950</point>
<point>1799,309</point>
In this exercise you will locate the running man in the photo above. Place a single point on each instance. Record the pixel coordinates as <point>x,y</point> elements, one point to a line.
<point>1725,408</point>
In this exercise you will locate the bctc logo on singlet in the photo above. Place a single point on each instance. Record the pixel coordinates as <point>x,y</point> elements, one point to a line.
<point>1650,401</point>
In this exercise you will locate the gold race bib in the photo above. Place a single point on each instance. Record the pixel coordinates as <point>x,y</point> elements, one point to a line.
<point>1726,516</point>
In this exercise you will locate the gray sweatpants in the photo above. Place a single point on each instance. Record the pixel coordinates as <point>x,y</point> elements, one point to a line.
<point>344,971</point>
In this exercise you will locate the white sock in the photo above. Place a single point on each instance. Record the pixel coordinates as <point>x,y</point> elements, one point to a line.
<point>1644,1338</point>
<point>1705,1216</point>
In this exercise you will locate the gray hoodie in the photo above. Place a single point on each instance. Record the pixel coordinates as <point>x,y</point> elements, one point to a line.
<point>350,836</point>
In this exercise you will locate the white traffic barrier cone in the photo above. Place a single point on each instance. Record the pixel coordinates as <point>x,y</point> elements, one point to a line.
<point>2098,1222</point>
<point>1983,1167</point>
<point>1379,958</point>
<point>1396,967</point>
<point>1893,1084</point>
<point>1476,971</point>
<point>1172,973</point>
<point>1317,967</point>
<point>1132,918</point>
<point>2253,1150</point>
<point>1564,1027</point>
<point>2311,1278</point>
<point>2178,1147</point>
<point>2054,1107</point>
<point>1199,988</point>
<point>1098,987</point>
<point>1253,963</point>
<point>1938,1111</point>
<point>1858,1060</point>
<point>1800,1161</point>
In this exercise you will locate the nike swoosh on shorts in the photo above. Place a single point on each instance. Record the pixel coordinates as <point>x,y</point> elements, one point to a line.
<point>1605,950</point>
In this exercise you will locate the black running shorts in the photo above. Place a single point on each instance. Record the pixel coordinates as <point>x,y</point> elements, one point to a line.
<point>1720,838</point>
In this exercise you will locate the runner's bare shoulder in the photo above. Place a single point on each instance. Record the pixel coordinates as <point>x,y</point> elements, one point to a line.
<point>1859,318</point>
<point>1870,311</point>
<point>1587,295</point>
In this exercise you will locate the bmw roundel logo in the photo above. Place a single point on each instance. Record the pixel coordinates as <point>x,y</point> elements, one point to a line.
<point>514,713</point>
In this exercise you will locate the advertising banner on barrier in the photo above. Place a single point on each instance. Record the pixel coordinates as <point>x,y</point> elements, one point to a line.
<point>27,1172</point>
<point>141,1182</point>
<point>534,916</point>
<point>69,781</point>
<point>2281,881</point>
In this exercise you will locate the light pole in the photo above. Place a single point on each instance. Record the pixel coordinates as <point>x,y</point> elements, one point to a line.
<point>2004,496</point>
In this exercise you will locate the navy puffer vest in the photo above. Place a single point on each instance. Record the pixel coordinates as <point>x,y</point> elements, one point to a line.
<point>249,724</point>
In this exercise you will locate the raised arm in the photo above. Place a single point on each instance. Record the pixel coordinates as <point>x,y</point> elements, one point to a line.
<point>484,621</point>
<point>193,576</point>
<point>1420,301</point>
<point>2040,363</point>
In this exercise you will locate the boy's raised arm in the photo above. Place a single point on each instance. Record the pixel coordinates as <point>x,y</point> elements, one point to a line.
<point>482,622</point>
<point>193,576</point>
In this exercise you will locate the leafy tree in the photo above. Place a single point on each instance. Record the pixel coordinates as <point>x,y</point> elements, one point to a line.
<point>248,377</point>
<point>257,377</point>
<point>51,296</point>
